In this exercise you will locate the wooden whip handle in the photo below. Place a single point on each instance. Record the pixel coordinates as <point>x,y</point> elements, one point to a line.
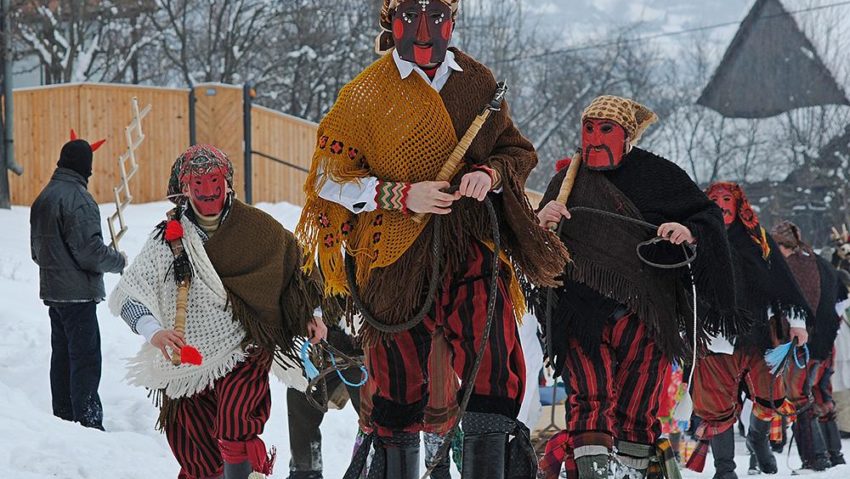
<point>454,163</point>
<point>180,318</point>
<point>567,184</point>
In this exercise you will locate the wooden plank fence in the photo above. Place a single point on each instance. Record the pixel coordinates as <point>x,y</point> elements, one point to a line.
<point>45,115</point>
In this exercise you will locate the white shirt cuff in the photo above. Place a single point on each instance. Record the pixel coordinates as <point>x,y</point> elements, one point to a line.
<point>148,326</point>
<point>356,196</point>
<point>841,307</point>
<point>796,321</point>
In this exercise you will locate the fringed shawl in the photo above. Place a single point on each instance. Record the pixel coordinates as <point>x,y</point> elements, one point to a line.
<point>403,130</point>
<point>606,271</point>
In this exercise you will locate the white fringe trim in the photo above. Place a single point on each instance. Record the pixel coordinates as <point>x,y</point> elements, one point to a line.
<point>178,381</point>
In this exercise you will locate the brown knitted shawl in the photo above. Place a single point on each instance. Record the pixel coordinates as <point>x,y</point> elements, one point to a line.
<point>259,262</point>
<point>393,292</point>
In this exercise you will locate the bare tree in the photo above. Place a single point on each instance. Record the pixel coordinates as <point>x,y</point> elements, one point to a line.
<point>80,40</point>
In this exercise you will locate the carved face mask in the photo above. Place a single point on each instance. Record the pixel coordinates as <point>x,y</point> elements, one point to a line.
<point>603,143</point>
<point>207,192</point>
<point>727,202</point>
<point>422,30</point>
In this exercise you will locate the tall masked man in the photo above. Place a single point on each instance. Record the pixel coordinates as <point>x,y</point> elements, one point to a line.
<point>218,292</point>
<point>617,322</point>
<point>379,151</point>
<point>767,292</point>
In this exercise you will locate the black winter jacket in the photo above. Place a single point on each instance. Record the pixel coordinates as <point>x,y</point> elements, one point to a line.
<point>66,241</point>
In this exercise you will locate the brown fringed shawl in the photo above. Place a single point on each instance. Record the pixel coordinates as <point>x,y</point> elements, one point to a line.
<point>403,130</point>
<point>260,264</point>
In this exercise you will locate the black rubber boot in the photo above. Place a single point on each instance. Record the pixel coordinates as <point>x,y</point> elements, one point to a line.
<point>396,458</point>
<point>305,446</point>
<point>723,450</point>
<point>758,442</point>
<point>810,443</point>
<point>485,445</point>
<point>237,471</point>
<point>833,442</point>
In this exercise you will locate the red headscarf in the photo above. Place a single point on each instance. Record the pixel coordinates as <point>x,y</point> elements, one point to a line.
<point>744,213</point>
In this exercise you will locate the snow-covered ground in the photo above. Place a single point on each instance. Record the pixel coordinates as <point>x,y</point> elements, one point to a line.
<point>35,445</point>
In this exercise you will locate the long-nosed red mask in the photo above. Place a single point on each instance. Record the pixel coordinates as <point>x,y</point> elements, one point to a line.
<point>725,199</point>
<point>208,192</point>
<point>422,30</point>
<point>603,143</point>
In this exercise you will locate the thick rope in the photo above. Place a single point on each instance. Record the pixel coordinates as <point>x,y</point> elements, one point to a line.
<point>435,280</point>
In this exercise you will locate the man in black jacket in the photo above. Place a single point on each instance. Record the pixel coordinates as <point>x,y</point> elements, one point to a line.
<point>67,244</point>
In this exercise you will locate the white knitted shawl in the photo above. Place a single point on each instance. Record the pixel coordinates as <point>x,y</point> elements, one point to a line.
<point>209,321</point>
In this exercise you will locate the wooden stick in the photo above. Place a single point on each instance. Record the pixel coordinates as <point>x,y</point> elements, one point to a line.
<point>180,317</point>
<point>567,184</point>
<point>453,165</point>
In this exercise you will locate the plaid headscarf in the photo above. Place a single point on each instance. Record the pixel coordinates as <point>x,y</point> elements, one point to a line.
<point>197,160</point>
<point>788,235</point>
<point>631,115</point>
<point>385,42</point>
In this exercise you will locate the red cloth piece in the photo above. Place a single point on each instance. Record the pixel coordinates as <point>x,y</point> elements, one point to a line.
<point>697,461</point>
<point>173,230</point>
<point>561,164</point>
<point>253,451</point>
<point>190,355</point>
<point>557,450</point>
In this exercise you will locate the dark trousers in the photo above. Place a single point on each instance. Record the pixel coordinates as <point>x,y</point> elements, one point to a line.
<point>75,363</point>
<point>305,437</point>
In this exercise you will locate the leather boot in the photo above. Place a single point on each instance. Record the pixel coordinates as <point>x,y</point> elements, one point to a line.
<point>723,450</point>
<point>396,457</point>
<point>810,442</point>
<point>758,442</point>
<point>237,471</point>
<point>833,442</point>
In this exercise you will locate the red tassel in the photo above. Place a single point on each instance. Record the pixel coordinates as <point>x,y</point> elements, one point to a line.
<point>173,230</point>
<point>190,355</point>
<point>697,461</point>
<point>561,164</point>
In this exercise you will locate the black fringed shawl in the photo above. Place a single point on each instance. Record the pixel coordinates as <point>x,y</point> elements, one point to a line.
<point>606,272</point>
<point>763,284</point>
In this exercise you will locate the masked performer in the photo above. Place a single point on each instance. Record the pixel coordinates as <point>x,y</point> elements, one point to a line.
<point>841,379</point>
<point>379,151</point>
<point>810,389</point>
<point>766,290</point>
<point>618,323</point>
<point>215,313</point>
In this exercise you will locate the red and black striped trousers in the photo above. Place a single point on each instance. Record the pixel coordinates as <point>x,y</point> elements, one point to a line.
<point>235,409</point>
<point>618,393</point>
<point>398,369</point>
<point>716,389</point>
<point>813,383</point>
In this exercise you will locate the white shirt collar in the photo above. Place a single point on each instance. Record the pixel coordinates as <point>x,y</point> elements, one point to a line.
<point>405,68</point>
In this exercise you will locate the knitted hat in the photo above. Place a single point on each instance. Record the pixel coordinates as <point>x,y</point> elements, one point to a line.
<point>76,155</point>
<point>787,234</point>
<point>385,42</point>
<point>631,115</point>
<point>197,160</point>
